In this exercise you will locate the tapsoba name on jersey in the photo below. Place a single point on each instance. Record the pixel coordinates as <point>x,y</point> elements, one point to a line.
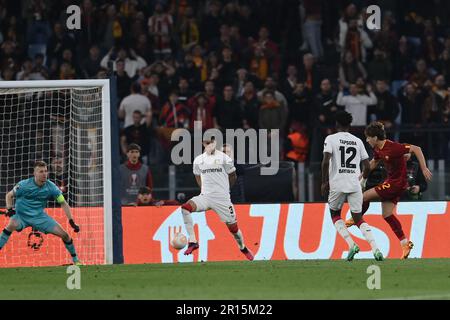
<point>348,143</point>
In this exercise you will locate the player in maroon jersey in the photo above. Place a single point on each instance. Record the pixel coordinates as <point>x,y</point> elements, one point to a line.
<point>389,192</point>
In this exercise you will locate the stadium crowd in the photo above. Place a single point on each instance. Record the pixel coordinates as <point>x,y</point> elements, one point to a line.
<point>287,65</point>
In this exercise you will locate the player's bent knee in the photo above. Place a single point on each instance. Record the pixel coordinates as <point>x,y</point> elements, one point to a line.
<point>233,227</point>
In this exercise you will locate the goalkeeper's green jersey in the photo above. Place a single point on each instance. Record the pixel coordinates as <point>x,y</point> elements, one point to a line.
<point>31,199</point>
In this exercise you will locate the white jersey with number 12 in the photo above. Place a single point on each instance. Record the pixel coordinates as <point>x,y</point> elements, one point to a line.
<point>347,152</point>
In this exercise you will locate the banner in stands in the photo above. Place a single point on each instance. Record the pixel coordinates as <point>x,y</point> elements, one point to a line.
<point>282,231</point>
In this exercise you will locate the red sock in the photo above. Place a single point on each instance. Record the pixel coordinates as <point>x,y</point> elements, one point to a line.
<point>396,226</point>
<point>335,218</point>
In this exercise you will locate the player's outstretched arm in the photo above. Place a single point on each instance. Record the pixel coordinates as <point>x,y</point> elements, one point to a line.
<point>423,164</point>
<point>65,206</point>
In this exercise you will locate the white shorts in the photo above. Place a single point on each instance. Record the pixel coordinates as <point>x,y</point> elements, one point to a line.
<point>221,205</point>
<point>355,200</point>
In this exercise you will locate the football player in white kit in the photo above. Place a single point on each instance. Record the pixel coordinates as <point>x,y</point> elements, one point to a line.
<point>342,155</point>
<point>215,173</point>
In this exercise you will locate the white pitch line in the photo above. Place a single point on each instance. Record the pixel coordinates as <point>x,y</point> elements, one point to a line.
<point>431,296</point>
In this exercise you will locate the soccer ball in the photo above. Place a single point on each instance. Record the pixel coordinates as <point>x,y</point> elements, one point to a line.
<point>178,241</point>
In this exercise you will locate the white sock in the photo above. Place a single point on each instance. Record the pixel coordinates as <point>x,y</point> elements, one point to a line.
<point>239,239</point>
<point>404,242</point>
<point>342,230</point>
<point>367,233</point>
<point>189,225</point>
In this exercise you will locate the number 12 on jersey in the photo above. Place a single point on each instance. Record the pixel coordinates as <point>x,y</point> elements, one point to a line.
<point>347,163</point>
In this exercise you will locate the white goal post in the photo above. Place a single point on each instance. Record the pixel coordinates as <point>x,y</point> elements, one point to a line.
<point>68,120</point>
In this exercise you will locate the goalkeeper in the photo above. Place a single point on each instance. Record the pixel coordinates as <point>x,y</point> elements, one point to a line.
<point>31,199</point>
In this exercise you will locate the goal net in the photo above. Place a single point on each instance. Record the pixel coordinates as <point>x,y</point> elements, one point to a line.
<point>66,124</point>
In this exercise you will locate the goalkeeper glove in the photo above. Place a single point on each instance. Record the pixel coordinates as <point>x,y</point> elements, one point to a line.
<point>10,212</point>
<point>74,226</point>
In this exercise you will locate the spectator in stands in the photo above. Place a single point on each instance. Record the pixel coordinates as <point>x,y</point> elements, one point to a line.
<point>137,134</point>
<point>211,22</point>
<point>379,68</point>
<point>350,70</point>
<point>289,83</point>
<point>88,34</point>
<point>133,62</point>
<point>325,105</point>
<point>134,101</point>
<point>223,40</point>
<point>421,74</point>
<point>59,175</point>
<point>227,112</point>
<point>133,175</point>
<point>174,114</point>
<point>267,48</point>
<point>111,29</point>
<point>150,88</point>
<point>443,64</point>
<point>250,104</point>
<point>28,73</point>
<point>143,48</point>
<point>39,69</point>
<point>145,198</point>
<point>123,80</point>
<point>91,65</point>
<point>435,104</point>
<point>189,32</point>
<point>66,72</point>
<point>271,113</point>
<point>402,60</point>
<point>312,35</point>
<point>310,73</point>
<point>184,90</point>
<point>300,110</point>
<point>160,28</point>
<point>58,42</point>
<point>227,67</point>
<point>271,85</point>
<point>386,110</point>
<point>436,112</point>
<point>411,100</point>
<point>190,72</point>
<point>240,41</point>
<point>249,26</point>
<point>201,110</point>
<point>210,91</point>
<point>353,38</point>
<point>356,103</point>
<point>7,74</point>
<point>297,143</point>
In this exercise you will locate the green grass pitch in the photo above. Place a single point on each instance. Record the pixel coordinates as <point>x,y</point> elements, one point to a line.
<point>313,279</point>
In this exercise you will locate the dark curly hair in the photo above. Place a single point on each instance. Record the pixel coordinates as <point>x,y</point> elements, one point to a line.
<point>343,118</point>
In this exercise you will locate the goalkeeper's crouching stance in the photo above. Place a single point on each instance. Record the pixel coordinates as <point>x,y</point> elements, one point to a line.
<point>31,199</point>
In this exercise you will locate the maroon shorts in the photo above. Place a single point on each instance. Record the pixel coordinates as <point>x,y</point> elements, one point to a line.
<point>389,191</point>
